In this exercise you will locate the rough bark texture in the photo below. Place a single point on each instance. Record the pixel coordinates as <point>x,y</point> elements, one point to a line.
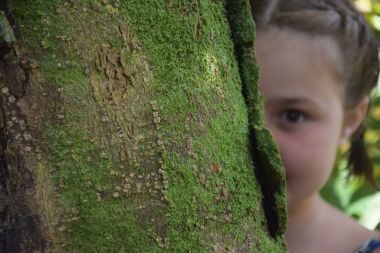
<point>125,128</point>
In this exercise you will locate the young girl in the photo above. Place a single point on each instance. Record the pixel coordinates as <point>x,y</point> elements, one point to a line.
<point>318,63</point>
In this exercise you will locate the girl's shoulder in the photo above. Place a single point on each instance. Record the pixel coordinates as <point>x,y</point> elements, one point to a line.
<point>370,246</point>
<point>352,237</point>
<point>367,241</point>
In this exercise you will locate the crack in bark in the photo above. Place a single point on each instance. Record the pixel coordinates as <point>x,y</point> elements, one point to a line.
<point>242,29</point>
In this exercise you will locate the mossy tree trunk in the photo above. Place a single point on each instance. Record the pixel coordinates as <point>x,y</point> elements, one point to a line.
<point>126,126</point>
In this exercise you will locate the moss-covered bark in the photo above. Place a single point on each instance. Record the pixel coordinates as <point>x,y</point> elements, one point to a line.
<point>124,128</point>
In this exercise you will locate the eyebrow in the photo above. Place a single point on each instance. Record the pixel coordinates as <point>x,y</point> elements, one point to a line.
<point>292,101</point>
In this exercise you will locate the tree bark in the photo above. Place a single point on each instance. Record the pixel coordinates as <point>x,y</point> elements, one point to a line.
<point>134,126</point>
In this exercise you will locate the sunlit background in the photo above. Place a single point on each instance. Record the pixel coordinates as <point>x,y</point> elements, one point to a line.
<point>353,195</point>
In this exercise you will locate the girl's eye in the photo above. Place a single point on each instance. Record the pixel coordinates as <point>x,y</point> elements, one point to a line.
<point>292,116</point>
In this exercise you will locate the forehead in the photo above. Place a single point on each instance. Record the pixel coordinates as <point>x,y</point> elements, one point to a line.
<point>318,49</point>
<point>292,62</point>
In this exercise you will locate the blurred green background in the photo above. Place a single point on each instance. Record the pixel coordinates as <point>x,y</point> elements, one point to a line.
<point>352,195</point>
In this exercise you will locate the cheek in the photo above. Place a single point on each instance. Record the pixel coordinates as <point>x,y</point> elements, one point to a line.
<point>308,159</point>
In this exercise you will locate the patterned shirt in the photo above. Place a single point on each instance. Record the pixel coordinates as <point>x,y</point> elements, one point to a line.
<point>369,246</point>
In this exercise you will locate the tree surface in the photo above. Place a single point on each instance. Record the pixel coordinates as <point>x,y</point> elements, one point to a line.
<point>134,126</point>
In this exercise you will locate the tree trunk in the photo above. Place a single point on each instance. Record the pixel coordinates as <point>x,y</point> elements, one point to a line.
<point>125,128</point>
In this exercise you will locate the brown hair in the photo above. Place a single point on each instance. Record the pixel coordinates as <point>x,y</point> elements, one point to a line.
<point>339,20</point>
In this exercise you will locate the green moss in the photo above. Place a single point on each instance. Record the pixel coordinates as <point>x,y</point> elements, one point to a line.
<point>195,75</point>
<point>80,168</point>
<point>212,192</point>
<point>108,225</point>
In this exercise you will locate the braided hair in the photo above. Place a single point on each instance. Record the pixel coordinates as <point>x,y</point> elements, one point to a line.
<point>339,20</point>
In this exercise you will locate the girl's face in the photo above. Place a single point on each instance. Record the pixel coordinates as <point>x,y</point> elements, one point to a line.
<point>303,105</point>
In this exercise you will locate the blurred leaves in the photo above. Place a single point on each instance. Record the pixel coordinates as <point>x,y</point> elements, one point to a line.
<point>371,9</point>
<point>367,210</point>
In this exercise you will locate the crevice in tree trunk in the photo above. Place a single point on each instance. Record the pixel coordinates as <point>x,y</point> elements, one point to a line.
<point>267,170</point>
